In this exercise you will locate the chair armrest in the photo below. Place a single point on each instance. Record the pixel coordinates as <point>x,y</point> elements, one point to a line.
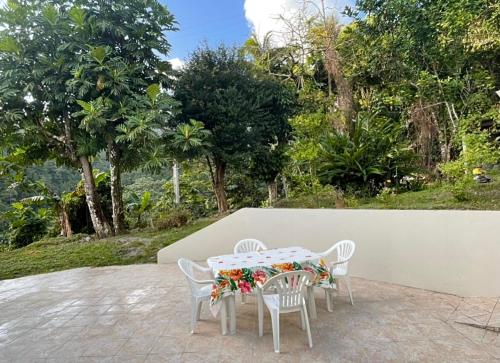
<point>328,251</point>
<point>201,268</point>
<point>203,282</point>
<point>337,263</point>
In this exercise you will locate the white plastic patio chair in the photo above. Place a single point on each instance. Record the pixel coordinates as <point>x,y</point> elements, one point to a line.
<point>340,268</point>
<point>249,245</point>
<point>201,291</point>
<point>289,290</point>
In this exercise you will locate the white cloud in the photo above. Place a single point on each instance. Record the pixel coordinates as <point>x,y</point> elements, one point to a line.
<point>263,15</point>
<point>177,63</point>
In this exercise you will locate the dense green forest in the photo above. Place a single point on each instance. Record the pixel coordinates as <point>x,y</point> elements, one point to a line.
<point>99,135</point>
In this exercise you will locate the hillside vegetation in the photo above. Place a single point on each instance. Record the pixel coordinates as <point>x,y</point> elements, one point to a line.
<point>474,196</point>
<point>61,253</point>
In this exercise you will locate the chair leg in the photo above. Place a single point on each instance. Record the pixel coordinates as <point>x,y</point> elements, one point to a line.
<point>302,321</point>
<point>198,310</point>
<point>260,313</point>
<point>194,307</point>
<point>312,302</point>
<point>348,284</point>
<point>328,297</point>
<point>308,327</point>
<point>275,319</point>
<point>223,316</point>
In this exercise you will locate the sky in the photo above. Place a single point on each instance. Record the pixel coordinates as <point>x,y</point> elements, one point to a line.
<point>229,21</point>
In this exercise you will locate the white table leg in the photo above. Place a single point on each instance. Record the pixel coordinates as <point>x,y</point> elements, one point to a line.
<point>223,316</point>
<point>260,313</point>
<point>232,314</point>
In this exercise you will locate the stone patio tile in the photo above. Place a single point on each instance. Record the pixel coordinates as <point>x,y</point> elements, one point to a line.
<point>200,357</point>
<point>461,348</point>
<point>94,310</point>
<point>102,347</point>
<point>56,321</point>
<point>409,332</point>
<point>89,360</point>
<point>71,350</point>
<point>421,351</point>
<point>386,352</point>
<point>67,316</point>
<point>167,345</point>
<point>470,332</point>
<point>10,335</point>
<point>164,358</point>
<point>436,330</point>
<point>87,301</point>
<point>137,346</point>
<point>142,308</point>
<point>480,303</point>
<point>127,358</point>
<point>118,309</point>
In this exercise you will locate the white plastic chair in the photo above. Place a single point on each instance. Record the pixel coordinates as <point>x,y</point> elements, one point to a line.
<point>340,268</point>
<point>249,245</point>
<point>289,290</point>
<point>201,291</point>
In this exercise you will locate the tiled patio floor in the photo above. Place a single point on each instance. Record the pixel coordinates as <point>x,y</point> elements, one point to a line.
<point>141,313</point>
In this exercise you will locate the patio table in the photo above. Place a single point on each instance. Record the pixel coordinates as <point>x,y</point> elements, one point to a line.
<point>244,272</point>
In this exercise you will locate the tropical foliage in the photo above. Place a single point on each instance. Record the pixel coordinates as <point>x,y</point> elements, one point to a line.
<point>404,96</point>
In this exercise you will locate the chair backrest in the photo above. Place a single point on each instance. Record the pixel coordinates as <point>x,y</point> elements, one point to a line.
<point>345,250</point>
<point>290,287</point>
<point>249,245</point>
<point>188,267</point>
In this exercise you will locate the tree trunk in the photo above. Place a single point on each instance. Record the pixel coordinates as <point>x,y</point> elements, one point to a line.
<point>64,221</point>
<point>99,222</point>
<point>285,186</point>
<point>115,174</point>
<point>176,183</point>
<point>218,184</point>
<point>334,67</point>
<point>272,188</point>
<point>345,97</point>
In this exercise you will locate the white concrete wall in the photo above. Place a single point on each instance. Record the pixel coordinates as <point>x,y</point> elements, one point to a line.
<point>455,252</point>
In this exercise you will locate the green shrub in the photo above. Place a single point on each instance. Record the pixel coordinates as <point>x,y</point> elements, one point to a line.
<point>478,151</point>
<point>175,218</point>
<point>461,189</point>
<point>375,152</point>
<point>26,224</point>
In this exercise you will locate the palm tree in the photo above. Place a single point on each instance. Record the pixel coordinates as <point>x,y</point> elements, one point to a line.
<point>189,140</point>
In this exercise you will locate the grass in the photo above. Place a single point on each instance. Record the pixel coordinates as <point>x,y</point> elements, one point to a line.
<point>61,253</point>
<point>55,254</point>
<point>433,196</point>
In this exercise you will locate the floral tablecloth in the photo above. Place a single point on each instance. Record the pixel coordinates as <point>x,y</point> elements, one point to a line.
<point>246,271</point>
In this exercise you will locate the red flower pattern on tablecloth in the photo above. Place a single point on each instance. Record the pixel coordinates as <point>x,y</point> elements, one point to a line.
<point>245,287</point>
<point>259,277</point>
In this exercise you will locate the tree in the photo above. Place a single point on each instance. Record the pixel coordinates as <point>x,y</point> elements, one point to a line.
<point>219,88</point>
<point>269,155</point>
<point>188,141</point>
<point>51,55</point>
<point>37,58</point>
<point>126,63</point>
<point>424,64</point>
